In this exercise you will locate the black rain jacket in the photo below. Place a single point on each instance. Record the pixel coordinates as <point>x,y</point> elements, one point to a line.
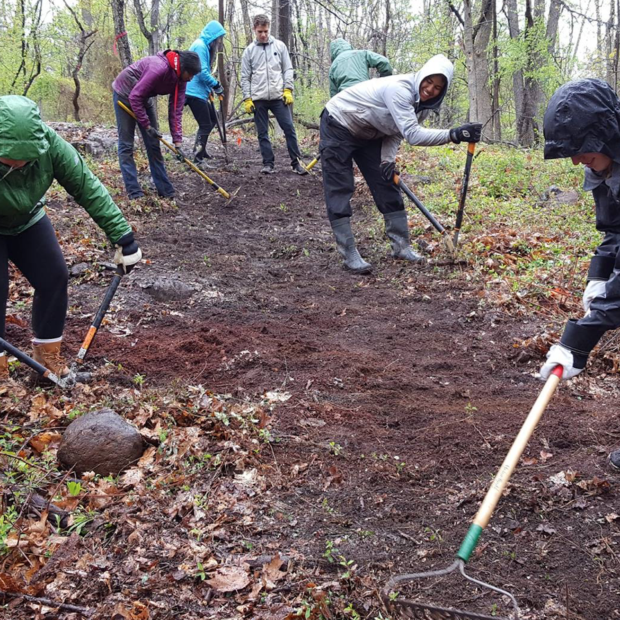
<point>583,116</point>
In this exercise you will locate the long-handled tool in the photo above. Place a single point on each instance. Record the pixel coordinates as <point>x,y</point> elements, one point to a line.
<point>69,380</point>
<point>427,214</point>
<point>221,127</point>
<point>195,168</point>
<point>96,324</point>
<point>313,163</point>
<point>38,368</point>
<point>471,147</point>
<point>413,609</point>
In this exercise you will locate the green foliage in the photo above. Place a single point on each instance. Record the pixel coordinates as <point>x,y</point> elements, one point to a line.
<point>74,488</point>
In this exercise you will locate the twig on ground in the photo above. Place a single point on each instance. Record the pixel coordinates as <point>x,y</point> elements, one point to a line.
<point>85,611</point>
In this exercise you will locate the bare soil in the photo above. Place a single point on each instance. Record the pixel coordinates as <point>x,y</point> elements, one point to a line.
<point>405,395</point>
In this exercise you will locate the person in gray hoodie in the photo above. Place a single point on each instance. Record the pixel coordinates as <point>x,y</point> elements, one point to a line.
<point>366,123</point>
<point>267,85</point>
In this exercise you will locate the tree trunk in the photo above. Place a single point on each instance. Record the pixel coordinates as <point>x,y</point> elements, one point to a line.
<point>517,77</point>
<point>120,32</point>
<point>476,41</point>
<point>284,23</point>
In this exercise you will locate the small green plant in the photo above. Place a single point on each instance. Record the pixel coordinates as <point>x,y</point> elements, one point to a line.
<point>206,260</point>
<point>350,611</point>
<point>335,448</point>
<point>200,571</point>
<point>329,551</point>
<point>326,507</point>
<point>139,379</point>
<point>283,207</point>
<point>74,488</point>
<point>76,412</point>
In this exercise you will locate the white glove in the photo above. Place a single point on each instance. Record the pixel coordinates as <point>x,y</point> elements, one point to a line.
<point>595,288</point>
<point>127,252</point>
<point>559,355</point>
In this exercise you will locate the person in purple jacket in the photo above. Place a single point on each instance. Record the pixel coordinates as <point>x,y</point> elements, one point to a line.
<point>166,73</point>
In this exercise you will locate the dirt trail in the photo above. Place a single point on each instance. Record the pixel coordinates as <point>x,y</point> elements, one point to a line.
<point>404,393</point>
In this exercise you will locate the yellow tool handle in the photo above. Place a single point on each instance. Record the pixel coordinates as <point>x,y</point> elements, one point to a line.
<point>195,168</point>
<point>312,164</point>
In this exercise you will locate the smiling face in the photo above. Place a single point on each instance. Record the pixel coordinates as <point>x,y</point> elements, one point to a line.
<point>595,161</point>
<point>432,86</point>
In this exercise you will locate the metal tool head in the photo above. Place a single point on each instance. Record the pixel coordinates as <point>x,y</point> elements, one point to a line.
<point>405,608</point>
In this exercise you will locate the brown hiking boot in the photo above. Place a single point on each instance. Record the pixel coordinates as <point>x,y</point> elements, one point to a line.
<point>48,354</point>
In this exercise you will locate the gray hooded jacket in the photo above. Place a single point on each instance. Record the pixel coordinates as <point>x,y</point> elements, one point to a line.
<point>390,108</point>
<point>266,70</point>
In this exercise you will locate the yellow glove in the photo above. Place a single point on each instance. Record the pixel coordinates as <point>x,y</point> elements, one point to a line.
<point>248,104</point>
<point>287,95</point>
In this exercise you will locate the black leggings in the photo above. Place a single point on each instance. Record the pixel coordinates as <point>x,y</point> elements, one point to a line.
<point>36,253</point>
<point>204,113</point>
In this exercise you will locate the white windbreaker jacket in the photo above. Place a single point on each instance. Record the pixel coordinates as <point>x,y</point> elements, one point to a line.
<point>390,108</point>
<point>266,70</point>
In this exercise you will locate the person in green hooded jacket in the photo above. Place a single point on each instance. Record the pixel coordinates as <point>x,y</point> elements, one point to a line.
<point>350,67</point>
<point>32,157</point>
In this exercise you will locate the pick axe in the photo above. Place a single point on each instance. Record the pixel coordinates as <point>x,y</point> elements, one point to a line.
<point>471,147</point>
<point>427,214</point>
<point>195,168</point>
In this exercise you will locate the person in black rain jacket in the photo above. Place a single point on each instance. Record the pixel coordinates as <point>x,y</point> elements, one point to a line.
<point>582,122</point>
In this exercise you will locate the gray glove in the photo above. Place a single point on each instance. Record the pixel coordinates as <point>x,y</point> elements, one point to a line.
<point>180,155</point>
<point>156,135</point>
<point>559,355</point>
<point>595,288</point>
<point>218,89</point>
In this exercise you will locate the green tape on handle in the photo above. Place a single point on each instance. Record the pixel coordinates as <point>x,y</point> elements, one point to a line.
<point>469,542</point>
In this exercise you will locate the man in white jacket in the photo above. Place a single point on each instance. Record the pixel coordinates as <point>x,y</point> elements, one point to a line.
<point>366,123</point>
<point>267,84</point>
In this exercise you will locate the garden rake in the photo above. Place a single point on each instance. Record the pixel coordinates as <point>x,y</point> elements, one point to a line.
<point>216,187</point>
<point>413,609</point>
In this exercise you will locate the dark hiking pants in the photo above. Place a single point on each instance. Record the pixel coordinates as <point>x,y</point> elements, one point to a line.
<point>339,149</point>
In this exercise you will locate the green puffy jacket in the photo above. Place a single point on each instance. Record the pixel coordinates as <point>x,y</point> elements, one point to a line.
<point>351,66</point>
<point>24,136</point>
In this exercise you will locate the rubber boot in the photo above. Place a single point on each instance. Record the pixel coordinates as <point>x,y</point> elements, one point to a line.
<point>48,354</point>
<point>397,230</point>
<point>346,246</point>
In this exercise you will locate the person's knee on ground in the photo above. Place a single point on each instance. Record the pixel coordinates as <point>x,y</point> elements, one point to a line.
<point>397,231</point>
<point>346,246</point>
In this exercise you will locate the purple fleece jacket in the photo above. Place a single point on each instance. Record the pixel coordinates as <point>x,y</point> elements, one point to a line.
<point>147,77</point>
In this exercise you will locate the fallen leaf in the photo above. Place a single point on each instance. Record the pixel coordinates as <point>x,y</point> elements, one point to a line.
<point>229,579</point>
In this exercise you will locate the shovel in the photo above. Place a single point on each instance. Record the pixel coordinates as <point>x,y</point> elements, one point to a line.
<point>69,380</point>
<point>195,168</point>
<point>471,147</point>
<point>413,609</point>
<point>427,214</point>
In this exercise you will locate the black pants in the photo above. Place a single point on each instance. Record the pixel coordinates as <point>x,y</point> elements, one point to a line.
<point>36,253</point>
<point>284,117</point>
<point>338,149</point>
<point>204,113</point>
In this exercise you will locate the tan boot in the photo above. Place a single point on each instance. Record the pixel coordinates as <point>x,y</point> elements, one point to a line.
<point>4,368</point>
<point>48,354</point>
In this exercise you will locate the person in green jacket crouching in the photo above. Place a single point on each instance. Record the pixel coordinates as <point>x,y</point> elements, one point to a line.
<point>32,157</point>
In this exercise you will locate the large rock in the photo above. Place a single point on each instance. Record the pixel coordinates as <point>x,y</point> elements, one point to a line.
<point>167,289</point>
<point>102,442</point>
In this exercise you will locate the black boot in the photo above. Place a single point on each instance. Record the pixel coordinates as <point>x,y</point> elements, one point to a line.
<point>397,230</point>
<point>346,246</point>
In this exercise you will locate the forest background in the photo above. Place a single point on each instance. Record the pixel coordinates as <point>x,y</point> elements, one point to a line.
<point>509,55</point>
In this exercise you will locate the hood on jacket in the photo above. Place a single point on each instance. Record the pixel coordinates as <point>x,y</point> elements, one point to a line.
<point>437,65</point>
<point>337,46</point>
<point>212,31</point>
<point>22,132</point>
<point>583,116</point>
